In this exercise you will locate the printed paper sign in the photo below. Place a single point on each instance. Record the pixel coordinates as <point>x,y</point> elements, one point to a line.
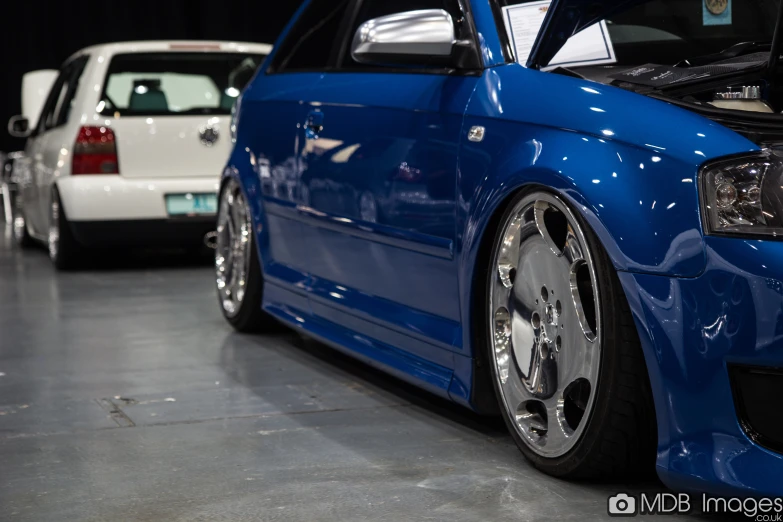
<point>593,46</point>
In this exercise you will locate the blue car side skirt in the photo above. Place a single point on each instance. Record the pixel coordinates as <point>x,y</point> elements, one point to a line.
<point>281,303</point>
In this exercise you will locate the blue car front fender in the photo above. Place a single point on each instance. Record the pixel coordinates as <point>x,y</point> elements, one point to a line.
<point>608,152</point>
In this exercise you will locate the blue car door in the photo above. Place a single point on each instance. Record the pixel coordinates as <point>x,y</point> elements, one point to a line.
<point>379,183</point>
<point>272,113</point>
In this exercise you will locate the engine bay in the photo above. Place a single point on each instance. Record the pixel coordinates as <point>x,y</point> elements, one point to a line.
<point>739,92</point>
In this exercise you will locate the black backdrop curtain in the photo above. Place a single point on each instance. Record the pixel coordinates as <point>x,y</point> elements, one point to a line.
<point>42,34</point>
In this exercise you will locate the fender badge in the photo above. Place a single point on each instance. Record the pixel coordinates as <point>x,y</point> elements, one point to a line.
<point>476,134</point>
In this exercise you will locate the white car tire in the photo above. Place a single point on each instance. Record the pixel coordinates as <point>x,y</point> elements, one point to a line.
<point>65,251</point>
<point>21,235</point>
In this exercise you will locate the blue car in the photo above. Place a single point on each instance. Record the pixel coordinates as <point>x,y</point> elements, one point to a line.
<point>578,228</point>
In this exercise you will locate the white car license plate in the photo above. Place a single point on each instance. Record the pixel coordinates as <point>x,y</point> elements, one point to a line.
<point>191,204</point>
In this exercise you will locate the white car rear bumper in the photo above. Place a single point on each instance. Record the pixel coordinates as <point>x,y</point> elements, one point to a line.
<point>114,198</point>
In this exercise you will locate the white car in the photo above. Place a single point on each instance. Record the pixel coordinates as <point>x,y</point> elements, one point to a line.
<point>129,145</point>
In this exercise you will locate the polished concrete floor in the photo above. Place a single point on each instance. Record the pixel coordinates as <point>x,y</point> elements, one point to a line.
<point>125,396</point>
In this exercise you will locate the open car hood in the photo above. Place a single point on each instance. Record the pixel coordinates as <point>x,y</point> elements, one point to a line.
<point>565,18</point>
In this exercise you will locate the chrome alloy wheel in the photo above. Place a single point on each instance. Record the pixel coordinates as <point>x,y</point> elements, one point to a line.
<point>232,255</point>
<point>19,223</point>
<point>545,320</point>
<point>53,238</point>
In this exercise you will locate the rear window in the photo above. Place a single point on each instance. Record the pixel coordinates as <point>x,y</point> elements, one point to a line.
<point>161,84</point>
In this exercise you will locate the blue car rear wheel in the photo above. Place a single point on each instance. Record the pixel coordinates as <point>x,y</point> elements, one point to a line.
<point>237,269</point>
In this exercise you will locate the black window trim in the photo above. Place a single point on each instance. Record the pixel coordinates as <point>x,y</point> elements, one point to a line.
<point>79,65</point>
<point>274,67</point>
<point>341,44</point>
<point>505,41</point>
<point>339,52</point>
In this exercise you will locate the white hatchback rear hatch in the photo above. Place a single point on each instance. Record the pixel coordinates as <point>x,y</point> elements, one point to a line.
<point>169,105</point>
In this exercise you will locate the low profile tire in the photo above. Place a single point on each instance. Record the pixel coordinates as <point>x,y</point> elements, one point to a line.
<point>566,361</point>
<point>237,268</point>
<point>65,251</point>
<point>21,235</point>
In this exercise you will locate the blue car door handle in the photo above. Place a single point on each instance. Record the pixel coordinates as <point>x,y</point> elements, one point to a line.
<point>314,125</point>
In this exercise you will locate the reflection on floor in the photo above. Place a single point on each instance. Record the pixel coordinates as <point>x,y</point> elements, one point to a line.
<point>125,396</point>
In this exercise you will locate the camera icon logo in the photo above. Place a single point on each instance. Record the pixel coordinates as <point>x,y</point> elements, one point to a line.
<point>622,505</point>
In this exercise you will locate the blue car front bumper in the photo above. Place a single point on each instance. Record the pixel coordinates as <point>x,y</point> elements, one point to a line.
<point>705,340</point>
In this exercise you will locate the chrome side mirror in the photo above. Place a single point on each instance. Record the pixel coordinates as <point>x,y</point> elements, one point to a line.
<point>412,37</point>
<point>19,127</point>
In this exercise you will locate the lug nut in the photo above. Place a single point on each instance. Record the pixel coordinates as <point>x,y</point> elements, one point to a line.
<point>536,321</point>
<point>550,314</point>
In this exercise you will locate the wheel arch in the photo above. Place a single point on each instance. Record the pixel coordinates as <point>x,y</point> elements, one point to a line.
<point>600,194</point>
<point>492,200</point>
<point>482,393</point>
<point>65,197</point>
<point>54,189</point>
<point>481,228</point>
<point>642,205</point>
<point>242,168</point>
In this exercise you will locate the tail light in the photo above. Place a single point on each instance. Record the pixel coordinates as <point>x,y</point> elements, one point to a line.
<point>95,152</point>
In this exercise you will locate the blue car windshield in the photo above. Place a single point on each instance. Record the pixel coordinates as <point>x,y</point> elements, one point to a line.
<point>670,31</point>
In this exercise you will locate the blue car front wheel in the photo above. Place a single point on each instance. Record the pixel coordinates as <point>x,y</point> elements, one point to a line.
<point>565,357</point>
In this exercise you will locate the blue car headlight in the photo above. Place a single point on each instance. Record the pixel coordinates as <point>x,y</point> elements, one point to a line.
<point>744,195</point>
